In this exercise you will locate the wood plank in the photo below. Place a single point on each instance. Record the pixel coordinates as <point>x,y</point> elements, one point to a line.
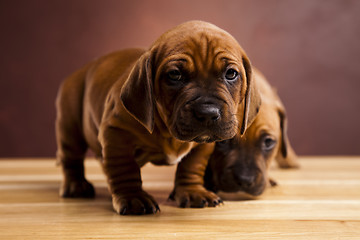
<point>319,201</point>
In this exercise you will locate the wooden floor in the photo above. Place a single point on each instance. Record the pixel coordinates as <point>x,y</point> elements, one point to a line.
<point>319,201</point>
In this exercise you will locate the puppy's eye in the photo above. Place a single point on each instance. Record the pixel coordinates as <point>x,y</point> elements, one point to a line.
<point>231,74</point>
<point>268,143</point>
<point>174,75</point>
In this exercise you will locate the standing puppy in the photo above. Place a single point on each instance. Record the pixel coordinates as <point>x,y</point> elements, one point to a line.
<point>161,105</point>
<point>241,164</point>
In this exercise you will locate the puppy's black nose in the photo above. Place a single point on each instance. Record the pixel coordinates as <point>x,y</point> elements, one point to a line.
<point>206,113</point>
<point>246,181</point>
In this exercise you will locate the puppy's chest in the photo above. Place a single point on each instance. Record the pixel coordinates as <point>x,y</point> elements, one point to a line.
<point>169,153</point>
<point>174,157</point>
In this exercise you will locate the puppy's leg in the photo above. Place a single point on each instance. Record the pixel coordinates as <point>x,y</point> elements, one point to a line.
<point>70,140</point>
<point>189,181</point>
<point>123,174</point>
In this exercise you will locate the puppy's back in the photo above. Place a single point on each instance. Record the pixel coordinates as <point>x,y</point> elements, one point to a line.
<point>267,92</point>
<point>81,98</point>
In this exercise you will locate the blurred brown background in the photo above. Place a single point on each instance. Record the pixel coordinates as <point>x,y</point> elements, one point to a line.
<point>309,50</point>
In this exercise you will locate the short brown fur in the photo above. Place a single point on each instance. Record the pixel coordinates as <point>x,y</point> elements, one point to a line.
<point>130,109</point>
<point>241,164</point>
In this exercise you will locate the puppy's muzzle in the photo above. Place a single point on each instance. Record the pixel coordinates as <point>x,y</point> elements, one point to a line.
<point>205,119</point>
<point>207,113</point>
<point>234,180</point>
<point>246,181</point>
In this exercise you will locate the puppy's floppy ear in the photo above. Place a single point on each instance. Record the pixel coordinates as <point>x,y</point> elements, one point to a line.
<point>286,157</point>
<point>252,100</point>
<point>137,92</point>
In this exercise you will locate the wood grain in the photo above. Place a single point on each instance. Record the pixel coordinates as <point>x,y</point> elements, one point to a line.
<point>319,201</point>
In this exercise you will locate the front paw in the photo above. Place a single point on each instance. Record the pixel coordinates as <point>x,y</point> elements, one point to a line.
<point>77,189</point>
<point>136,203</point>
<point>195,197</point>
<point>272,182</point>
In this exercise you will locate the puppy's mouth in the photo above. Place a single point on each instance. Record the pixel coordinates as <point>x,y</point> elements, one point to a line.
<point>238,189</point>
<point>205,139</point>
<point>191,136</point>
<point>233,181</point>
<point>204,134</point>
<point>194,135</point>
<point>204,120</point>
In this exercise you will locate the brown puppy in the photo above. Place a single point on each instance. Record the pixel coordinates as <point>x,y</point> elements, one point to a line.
<point>241,163</point>
<point>161,105</point>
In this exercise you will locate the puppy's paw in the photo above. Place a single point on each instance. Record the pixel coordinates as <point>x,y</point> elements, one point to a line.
<point>272,182</point>
<point>289,165</point>
<point>77,189</point>
<point>137,203</point>
<point>194,197</point>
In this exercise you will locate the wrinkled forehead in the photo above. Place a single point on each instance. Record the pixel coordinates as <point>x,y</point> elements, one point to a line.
<point>266,122</point>
<point>198,39</point>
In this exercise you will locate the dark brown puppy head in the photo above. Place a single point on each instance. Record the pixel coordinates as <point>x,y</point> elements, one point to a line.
<point>241,163</point>
<point>194,78</point>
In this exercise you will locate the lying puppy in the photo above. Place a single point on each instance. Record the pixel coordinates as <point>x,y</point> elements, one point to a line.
<point>241,163</point>
<point>168,103</point>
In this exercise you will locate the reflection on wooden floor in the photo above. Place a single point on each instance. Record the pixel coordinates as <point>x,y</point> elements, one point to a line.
<point>319,201</point>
